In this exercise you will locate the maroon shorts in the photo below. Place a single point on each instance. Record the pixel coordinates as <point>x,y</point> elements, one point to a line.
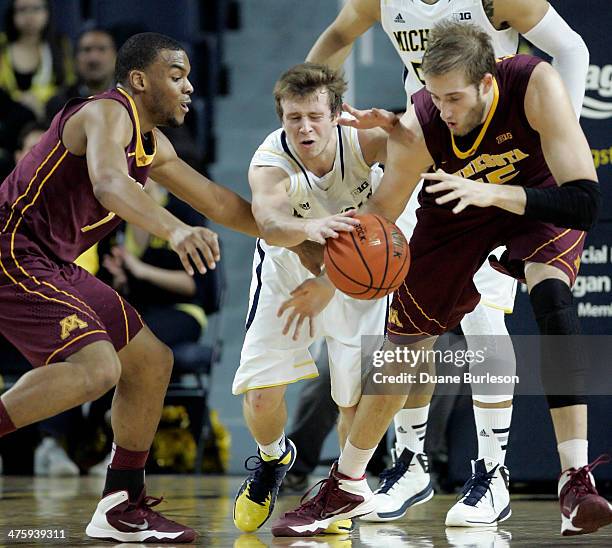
<point>447,250</point>
<point>49,310</point>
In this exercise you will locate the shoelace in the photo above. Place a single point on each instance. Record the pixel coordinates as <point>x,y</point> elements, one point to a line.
<point>143,506</point>
<point>318,503</point>
<point>261,478</point>
<point>152,501</point>
<point>580,483</point>
<point>391,475</point>
<point>477,486</point>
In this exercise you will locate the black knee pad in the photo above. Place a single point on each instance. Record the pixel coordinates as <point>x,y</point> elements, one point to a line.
<point>553,306</point>
<point>563,365</point>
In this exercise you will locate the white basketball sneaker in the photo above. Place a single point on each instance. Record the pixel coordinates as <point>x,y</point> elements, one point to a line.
<point>485,499</point>
<point>405,484</point>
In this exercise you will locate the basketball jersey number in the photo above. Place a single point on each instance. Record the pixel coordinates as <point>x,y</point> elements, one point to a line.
<point>418,71</point>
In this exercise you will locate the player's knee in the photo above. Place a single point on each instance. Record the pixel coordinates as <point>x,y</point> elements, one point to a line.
<point>164,360</point>
<point>263,401</point>
<point>102,377</point>
<point>553,307</point>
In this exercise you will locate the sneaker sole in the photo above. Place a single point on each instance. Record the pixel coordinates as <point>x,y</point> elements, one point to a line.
<point>420,498</point>
<point>589,517</point>
<point>139,536</point>
<point>503,516</point>
<point>319,527</point>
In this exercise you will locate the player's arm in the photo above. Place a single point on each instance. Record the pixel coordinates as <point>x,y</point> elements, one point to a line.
<point>575,203</point>
<point>334,45</point>
<point>540,23</point>
<point>107,130</point>
<point>373,144</point>
<point>274,215</point>
<point>216,202</point>
<point>577,200</point>
<point>406,158</point>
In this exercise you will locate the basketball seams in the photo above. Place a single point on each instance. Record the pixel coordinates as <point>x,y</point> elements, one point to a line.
<point>341,272</point>
<point>340,257</point>
<point>365,263</point>
<point>384,231</point>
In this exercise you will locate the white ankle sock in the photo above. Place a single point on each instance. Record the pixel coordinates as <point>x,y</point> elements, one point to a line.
<point>492,430</point>
<point>274,449</point>
<point>410,428</point>
<point>353,461</point>
<point>573,453</point>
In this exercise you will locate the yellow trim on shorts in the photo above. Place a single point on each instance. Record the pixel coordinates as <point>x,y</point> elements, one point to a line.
<point>548,242</point>
<point>71,342</point>
<point>558,257</point>
<point>302,364</point>
<point>421,310</point>
<point>566,264</point>
<point>127,327</point>
<point>410,320</point>
<point>505,309</point>
<point>310,376</point>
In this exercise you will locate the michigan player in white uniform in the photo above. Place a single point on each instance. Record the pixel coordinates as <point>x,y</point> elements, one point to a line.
<point>303,176</point>
<point>407,22</point>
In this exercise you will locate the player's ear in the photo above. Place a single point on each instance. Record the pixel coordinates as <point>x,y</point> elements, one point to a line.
<point>136,79</point>
<point>487,83</point>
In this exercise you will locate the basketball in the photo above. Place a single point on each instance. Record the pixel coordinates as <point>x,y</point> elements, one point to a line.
<point>369,262</point>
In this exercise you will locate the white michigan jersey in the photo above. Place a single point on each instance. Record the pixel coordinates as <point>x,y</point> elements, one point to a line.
<point>347,186</point>
<point>407,22</point>
<point>270,358</point>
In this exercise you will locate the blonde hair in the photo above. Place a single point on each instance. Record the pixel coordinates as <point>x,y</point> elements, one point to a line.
<point>453,45</point>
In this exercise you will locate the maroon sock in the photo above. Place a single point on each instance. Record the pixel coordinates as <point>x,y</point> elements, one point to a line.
<point>6,424</point>
<point>128,460</point>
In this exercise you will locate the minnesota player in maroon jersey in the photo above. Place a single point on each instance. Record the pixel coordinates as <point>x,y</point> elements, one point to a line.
<point>513,168</point>
<point>84,176</point>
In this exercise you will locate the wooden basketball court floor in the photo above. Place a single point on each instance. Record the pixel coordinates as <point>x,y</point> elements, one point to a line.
<point>64,505</point>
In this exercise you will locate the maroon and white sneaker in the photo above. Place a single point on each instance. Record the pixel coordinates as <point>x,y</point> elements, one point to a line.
<point>117,518</point>
<point>339,498</point>
<point>582,509</point>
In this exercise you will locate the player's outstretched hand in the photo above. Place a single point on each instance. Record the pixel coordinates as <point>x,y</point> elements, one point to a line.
<point>466,191</point>
<point>368,119</point>
<point>310,254</point>
<point>307,300</point>
<point>195,243</point>
<point>318,230</point>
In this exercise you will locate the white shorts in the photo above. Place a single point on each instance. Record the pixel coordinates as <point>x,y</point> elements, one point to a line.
<point>270,358</point>
<point>496,289</point>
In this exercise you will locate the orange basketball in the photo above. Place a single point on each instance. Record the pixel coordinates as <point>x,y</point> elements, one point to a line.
<point>369,262</point>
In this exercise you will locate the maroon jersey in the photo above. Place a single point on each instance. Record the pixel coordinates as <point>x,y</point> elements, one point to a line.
<point>505,149</point>
<point>49,197</point>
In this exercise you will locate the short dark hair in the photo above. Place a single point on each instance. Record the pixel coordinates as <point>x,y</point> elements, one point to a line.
<point>306,78</point>
<point>453,45</point>
<point>140,51</point>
